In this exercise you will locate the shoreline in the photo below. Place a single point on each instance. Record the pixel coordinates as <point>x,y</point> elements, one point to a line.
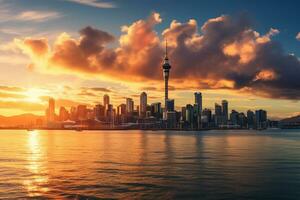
<point>125,129</point>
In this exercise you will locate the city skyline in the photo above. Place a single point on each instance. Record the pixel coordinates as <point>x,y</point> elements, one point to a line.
<point>35,64</point>
<point>153,116</point>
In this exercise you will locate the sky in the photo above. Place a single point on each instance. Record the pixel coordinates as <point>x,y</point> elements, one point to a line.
<point>246,52</point>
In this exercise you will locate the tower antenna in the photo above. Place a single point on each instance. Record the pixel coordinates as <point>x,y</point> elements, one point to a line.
<point>166,56</point>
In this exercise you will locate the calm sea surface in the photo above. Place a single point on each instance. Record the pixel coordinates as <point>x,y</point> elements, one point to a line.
<point>150,164</point>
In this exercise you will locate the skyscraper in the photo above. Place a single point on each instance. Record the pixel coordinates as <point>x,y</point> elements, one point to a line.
<point>105,103</point>
<point>51,110</point>
<point>63,114</point>
<point>261,119</point>
<point>189,115</point>
<point>99,111</point>
<point>225,111</point>
<point>250,119</point>
<point>198,100</point>
<point>129,105</point>
<point>166,70</point>
<point>170,105</point>
<point>218,114</point>
<point>81,112</point>
<point>143,104</point>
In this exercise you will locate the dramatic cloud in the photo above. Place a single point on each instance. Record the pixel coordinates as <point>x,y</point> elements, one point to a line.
<point>94,3</point>
<point>225,53</point>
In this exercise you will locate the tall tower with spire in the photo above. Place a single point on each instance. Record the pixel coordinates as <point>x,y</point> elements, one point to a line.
<point>166,71</point>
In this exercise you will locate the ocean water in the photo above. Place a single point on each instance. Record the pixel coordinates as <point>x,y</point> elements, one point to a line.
<point>237,164</point>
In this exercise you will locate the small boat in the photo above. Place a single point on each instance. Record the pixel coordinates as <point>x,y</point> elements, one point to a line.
<point>30,129</point>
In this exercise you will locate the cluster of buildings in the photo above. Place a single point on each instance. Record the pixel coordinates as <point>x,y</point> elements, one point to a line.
<point>154,115</point>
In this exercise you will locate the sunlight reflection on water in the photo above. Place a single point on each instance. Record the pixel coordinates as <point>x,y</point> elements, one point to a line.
<point>149,164</point>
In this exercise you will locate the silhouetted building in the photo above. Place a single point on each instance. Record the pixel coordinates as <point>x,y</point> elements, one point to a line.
<point>105,103</point>
<point>81,112</point>
<point>171,119</point>
<point>143,104</point>
<point>198,100</point>
<point>51,110</point>
<point>190,115</point>
<point>110,114</point>
<point>206,118</point>
<point>183,114</point>
<point>218,115</point>
<point>234,118</point>
<point>250,119</point>
<point>170,105</point>
<point>156,110</point>
<point>129,106</point>
<point>99,112</point>
<point>260,119</point>
<point>63,114</point>
<point>225,112</point>
<point>73,113</point>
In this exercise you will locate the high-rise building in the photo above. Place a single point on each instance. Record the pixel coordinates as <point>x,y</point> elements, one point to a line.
<point>261,119</point>
<point>99,111</point>
<point>63,114</point>
<point>234,118</point>
<point>81,112</point>
<point>190,115</point>
<point>225,111</point>
<point>183,114</point>
<point>121,113</point>
<point>198,100</point>
<point>73,113</point>
<point>143,104</point>
<point>170,105</point>
<point>110,114</point>
<point>250,119</point>
<point>105,103</point>
<point>171,119</point>
<point>121,110</point>
<point>206,118</point>
<point>51,110</point>
<point>166,71</point>
<point>218,115</point>
<point>129,105</point>
<point>105,100</point>
<point>156,110</point>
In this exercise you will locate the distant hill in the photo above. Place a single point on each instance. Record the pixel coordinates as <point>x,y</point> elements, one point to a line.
<point>19,120</point>
<point>295,119</point>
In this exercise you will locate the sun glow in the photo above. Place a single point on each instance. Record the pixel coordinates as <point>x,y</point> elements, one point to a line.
<point>34,95</point>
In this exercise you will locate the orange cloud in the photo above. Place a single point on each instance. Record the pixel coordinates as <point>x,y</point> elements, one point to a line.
<point>224,53</point>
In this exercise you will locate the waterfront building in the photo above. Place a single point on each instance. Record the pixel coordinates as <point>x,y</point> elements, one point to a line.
<point>105,103</point>
<point>198,100</point>
<point>63,114</point>
<point>143,104</point>
<point>225,112</point>
<point>260,119</point>
<point>81,112</point>
<point>51,110</point>
<point>218,115</point>
<point>129,106</point>
<point>190,115</point>
<point>250,119</point>
<point>99,111</point>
